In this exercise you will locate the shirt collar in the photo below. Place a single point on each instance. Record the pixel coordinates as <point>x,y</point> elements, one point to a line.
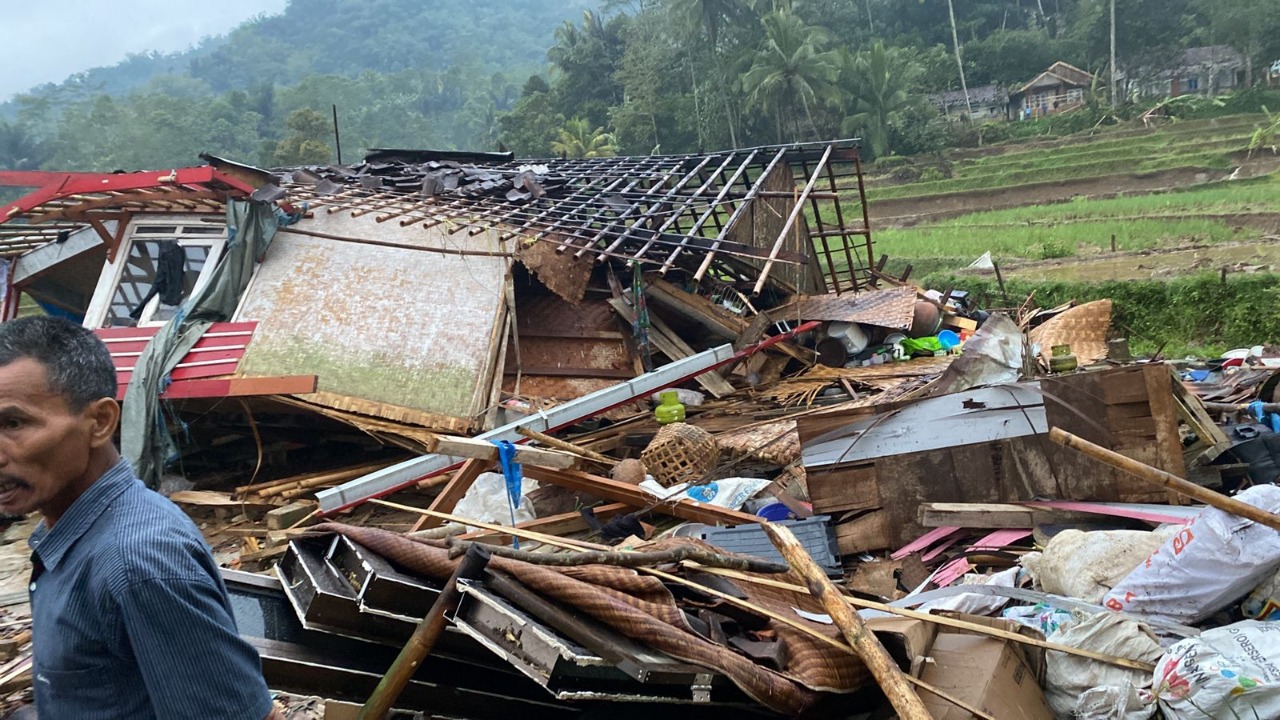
<point>51,544</point>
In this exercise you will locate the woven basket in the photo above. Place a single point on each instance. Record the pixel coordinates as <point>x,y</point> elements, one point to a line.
<point>1083,327</point>
<point>680,453</point>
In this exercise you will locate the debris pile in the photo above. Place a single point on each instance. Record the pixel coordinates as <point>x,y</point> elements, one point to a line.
<point>484,437</point>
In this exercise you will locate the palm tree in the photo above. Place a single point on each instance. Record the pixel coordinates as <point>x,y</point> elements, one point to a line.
<point>578,140</point>
<point>790,68</point>
<point>709,14</point>
<point>878,81</point>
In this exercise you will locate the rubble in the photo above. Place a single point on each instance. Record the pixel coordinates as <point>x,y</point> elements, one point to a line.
<point>707,442</point>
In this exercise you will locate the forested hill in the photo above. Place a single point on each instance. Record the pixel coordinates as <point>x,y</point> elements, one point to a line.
<point>413,63</point>
<point>596,77</point>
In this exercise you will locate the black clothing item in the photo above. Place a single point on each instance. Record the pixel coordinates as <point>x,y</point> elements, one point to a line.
<point>170,282</point>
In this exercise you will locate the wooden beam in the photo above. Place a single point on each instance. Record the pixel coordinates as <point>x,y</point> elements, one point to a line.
<point>453,492</point>
<point>991,515</point>
<point>636,497</point>
<point>669,344</point>
<point>561,524</point>
<point>464,447</point>
<point>241,387</point>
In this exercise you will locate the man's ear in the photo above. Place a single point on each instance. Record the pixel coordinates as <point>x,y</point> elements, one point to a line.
<point>104,416</point>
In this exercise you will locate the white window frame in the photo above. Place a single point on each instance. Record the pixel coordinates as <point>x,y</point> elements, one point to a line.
<point>112,272</point>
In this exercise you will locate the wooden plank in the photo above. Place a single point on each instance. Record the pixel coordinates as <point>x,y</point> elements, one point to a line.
<point>484,450</point>
<point>453,491</point>
<point>869,531</point>
<point>1159,382</point>
<point>843,489</point>
<point>561,524</point>
<point>667,344</point>
<point>205,498</point>
<point>240,387</point>
<point>630,494</point>
<point>992,515</point>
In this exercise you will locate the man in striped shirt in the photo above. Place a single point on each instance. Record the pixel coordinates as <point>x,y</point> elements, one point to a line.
<point>130,618</point>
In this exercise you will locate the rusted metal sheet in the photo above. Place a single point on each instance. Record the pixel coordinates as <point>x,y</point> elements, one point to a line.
<point>889,308</point>
<point>563,273</point>
<point>410,328</point>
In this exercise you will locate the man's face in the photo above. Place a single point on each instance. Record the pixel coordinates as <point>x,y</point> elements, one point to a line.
<point>45,446</point>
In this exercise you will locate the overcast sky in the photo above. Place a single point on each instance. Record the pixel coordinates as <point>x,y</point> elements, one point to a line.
<point>47,40</point>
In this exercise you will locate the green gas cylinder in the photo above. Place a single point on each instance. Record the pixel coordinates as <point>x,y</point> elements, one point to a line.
<point>670,410</point>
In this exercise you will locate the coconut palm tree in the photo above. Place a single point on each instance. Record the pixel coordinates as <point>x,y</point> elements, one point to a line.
<point>577,139</point>
<point>791,69</point>
<point>878,80</point>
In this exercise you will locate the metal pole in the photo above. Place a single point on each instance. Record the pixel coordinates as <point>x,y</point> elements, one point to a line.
<point>337,139</point>
<point>1113,54</point>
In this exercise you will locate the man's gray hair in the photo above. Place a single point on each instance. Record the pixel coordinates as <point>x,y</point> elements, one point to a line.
<point>77,364</point>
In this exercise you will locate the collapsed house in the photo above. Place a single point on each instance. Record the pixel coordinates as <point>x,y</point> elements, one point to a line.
<point>434,352</point>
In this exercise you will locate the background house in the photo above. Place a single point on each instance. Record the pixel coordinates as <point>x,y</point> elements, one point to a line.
<point>986,103</point>
<point>1058,89</point>
<point>1207,70</point>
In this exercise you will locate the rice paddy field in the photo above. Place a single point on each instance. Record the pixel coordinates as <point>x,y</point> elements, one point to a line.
<point>1217,210</point>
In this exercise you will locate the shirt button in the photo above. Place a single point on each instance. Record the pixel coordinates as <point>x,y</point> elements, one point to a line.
<point>32,587</point>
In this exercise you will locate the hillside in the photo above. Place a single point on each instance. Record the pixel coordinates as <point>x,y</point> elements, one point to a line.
<point>339,37</point>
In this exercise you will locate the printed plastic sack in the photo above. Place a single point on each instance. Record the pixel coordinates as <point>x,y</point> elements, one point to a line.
<point>1086,565</point>
<point>1210,563</point>
<point>1078,687</point>
<point>1045,618</point>
<point>731,493</point>
<point>1264,602</point>
<point>1227,672</point>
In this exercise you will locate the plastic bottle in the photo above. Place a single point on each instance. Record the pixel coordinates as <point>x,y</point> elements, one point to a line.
<point>670,410</point>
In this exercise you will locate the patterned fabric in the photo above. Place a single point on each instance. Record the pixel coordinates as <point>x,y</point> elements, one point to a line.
<point>641,608</point>
<point>130,618</point>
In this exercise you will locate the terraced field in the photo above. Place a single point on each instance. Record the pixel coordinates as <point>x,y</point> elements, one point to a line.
<point>1080,199</point>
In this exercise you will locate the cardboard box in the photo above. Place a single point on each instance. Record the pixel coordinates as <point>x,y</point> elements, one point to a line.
<point>988,673</point>
<point>907,640</point>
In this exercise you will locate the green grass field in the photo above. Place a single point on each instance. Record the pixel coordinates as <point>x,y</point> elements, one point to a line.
<point>1086,226</point>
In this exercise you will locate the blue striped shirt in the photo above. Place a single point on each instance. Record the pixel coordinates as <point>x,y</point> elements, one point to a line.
<point>130,618</point>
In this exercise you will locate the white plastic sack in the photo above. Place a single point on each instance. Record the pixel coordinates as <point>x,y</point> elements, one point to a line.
<point>1086,565</point>
<point>973,603</point>
<point>1227,672</point>
<point>731,493</point>
<point>1208,564</point>
<point>486,501</point>
<point>1078,687</point>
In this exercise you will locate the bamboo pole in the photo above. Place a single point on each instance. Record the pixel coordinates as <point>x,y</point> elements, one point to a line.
<point>943,620</point>
<point>424,637</point>
<point>888,675</point>
<point>1166,480</point>
<point>565,445</point>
